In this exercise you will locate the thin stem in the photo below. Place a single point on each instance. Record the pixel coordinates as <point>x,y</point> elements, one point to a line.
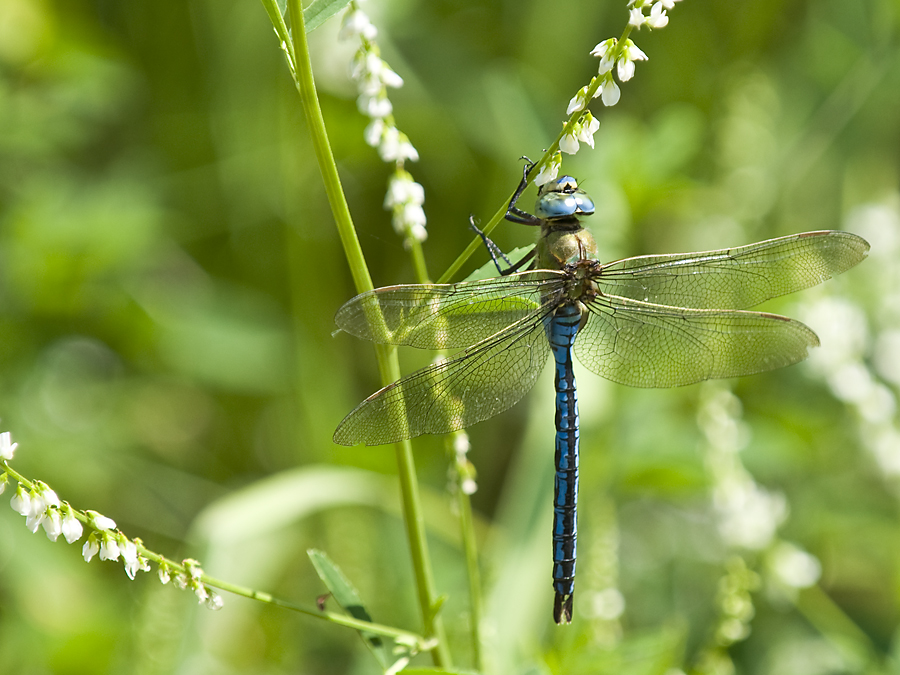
<point>832,622</point>
<point>470,547</point>
<point>340,619</point>
<point>388,363</point>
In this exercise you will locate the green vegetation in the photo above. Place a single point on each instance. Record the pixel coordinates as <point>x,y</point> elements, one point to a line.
<point>170,268</point>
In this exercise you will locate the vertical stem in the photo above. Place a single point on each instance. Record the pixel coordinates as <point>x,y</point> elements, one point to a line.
<point>467,528</point>
<point>387,358</point>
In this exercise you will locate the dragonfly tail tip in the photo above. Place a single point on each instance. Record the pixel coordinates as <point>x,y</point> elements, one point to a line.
<point>562,608</point>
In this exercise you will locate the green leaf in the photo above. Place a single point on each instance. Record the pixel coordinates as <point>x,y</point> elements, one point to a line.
<point>320,11</point>
<point>347,597</point>
<point>316,14</point>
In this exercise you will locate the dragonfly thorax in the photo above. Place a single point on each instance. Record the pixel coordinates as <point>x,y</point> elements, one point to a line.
<point>564,242</point>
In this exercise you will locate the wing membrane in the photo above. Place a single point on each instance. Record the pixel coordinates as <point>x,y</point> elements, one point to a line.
<point>734,278</point>
<point>446,316</point>
<point>476,384</point>
<point>646,345</point>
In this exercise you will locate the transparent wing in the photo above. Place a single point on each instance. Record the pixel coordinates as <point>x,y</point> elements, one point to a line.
<point>480,382</point>
<point>734,278</point>
<point>446,316</point>
<point>646,345</point>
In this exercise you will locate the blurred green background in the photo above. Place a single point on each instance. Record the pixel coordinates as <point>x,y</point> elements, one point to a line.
<point>169,271</point>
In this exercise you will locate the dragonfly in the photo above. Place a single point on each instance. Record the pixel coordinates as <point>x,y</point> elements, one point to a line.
<point>648,321</point>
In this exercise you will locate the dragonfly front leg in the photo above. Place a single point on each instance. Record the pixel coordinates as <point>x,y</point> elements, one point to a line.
<point>515,214</point>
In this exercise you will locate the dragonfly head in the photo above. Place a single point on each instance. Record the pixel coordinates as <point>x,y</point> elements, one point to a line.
<point>562,198</point>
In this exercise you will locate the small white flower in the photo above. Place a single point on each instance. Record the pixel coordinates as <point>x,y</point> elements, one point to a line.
<point>604,51</point>
<point>129,556</point>
<point>389,77</point>
<point>610,95</point>
<point>395,146</point>
<point>91,547</point>
<point>192,567</point>
<point>38,506</point>
<point>356,23</point>
<point>636,17</point>
<point>4,478</point>
<point>373,132</point>
<point>21,501</point>
<point>657,18</point>
<point>165,574</point>
<point>630,54</point>
<point>568,144</point>
<point>390,143</point>
<point>406,150</point>
<point>7,447</point>
<point>100,522</point>
<point>402,189</point>
<point>669,4</point>
<point>180,581</point>
<point>578,102</point>
<point>109,547</point>
<point>215,601</point>
<point>413,214</point>
<point>587,128</point>
<point>48,496</point>
<point>374,106</point>
<point>202,593</point>
<point>549,171</point>
<point>52,523</point>
<point>793,566</point>
<point>71,526</point>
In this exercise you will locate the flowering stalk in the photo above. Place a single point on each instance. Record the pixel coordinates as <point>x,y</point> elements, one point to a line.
<point>43,508</point>
<point>374,77</point>
<point>616,55</point>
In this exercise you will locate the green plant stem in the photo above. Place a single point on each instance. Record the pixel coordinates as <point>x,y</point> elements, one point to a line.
<point>340,619</point>
<point>388,363</point>
<point>470,547</point>
<point>832,622</point>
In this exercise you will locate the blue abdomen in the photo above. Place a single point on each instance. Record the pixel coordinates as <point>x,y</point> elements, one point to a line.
<point>561,331</point>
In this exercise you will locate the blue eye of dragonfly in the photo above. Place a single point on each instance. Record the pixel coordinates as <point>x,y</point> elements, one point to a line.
<point>562,198</point>
<point>650,321</point>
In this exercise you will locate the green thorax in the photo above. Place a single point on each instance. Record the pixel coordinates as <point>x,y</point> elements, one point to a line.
<point>564,242</point>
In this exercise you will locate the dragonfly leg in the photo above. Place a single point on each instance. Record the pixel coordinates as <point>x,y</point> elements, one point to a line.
<point>496,253</point>
<point>515,214</point>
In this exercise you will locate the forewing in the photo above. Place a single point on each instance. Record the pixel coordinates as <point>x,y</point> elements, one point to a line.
<point>734,278</point>
<point>476,384</point>
<point>446,316</point>
<point>646,345</point>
